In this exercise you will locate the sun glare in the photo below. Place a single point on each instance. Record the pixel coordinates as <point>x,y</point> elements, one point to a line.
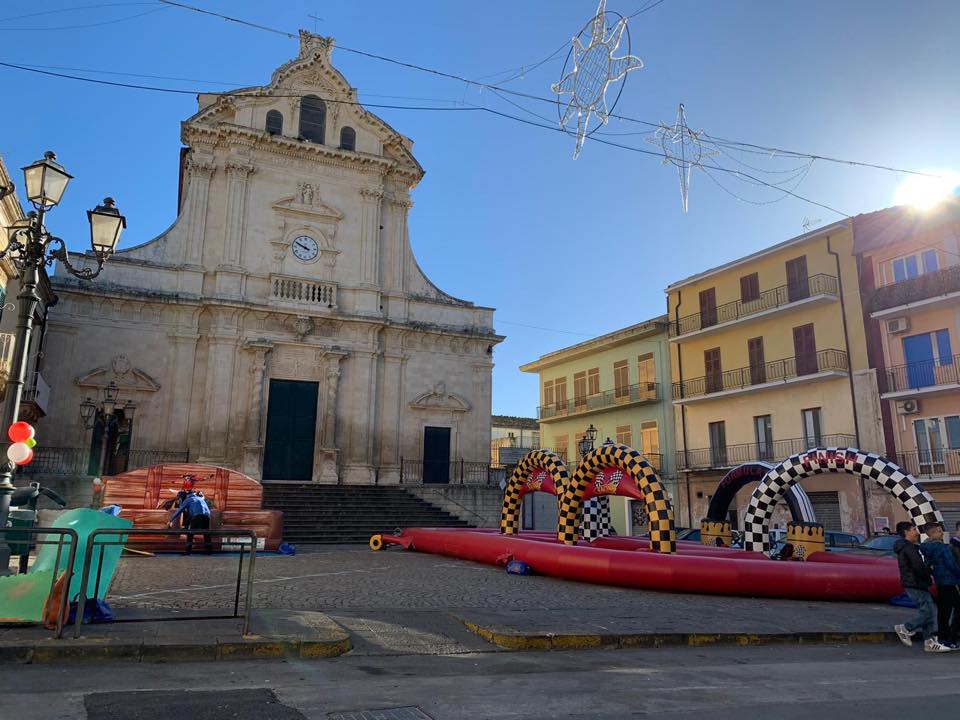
<point>923,192</point>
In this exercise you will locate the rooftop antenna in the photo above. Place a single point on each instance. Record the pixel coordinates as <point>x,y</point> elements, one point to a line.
<point>808,223</point>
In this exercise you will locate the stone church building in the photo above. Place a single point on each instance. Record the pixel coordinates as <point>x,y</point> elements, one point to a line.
<point>281,325</point>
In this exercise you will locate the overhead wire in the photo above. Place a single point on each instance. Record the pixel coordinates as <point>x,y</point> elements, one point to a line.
<point>76,8</point>
<point>84,26</point>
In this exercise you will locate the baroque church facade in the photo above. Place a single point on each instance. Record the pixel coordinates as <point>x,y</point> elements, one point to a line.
<point>281,326</point>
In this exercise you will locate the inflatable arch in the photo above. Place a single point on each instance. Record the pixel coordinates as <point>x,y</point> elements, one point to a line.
<point>715,528</point>
<point>646,486</point>
<point>537,471</point>
<point>917,501</point>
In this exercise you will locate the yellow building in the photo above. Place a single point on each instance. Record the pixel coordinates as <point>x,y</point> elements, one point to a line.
<point>619,383</point>
<point>768,358</point>
<point>910,276</point>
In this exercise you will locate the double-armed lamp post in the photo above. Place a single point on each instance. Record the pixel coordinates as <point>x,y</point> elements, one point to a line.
<point>30,246</point>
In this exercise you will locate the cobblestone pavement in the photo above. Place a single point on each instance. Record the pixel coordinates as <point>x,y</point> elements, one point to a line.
<point>375,594</point>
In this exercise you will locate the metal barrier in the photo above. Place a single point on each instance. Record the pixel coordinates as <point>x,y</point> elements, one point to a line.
<point>71,559</point>
<point>123,536</point>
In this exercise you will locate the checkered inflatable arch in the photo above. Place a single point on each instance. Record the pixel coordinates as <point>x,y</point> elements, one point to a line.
<point>801,509</point>
<point>663,534</point>
<point>517,486</point>
<point>917,501</point>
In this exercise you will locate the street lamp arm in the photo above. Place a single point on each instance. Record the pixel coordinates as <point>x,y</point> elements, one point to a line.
<point>60,255</point>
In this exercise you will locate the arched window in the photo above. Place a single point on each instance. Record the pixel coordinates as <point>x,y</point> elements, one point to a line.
<point>313,119</point>
<point>348,139</point>
<point>275,122</point>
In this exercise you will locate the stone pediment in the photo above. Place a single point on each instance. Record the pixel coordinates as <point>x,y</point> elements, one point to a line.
<point>439,399</point>
<point>307,203</point>
<point>121,372</point>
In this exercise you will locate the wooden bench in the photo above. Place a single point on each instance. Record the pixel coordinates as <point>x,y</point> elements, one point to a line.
<point>235,502</point>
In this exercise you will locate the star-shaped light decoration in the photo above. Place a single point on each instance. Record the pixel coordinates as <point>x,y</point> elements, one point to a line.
<point>594,69</point>
<point>682,147</point>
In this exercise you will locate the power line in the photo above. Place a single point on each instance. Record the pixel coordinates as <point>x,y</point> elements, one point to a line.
<point>471,108</point>
<point>546,329</point>
<point>75,9</point>
<point>86,25</point>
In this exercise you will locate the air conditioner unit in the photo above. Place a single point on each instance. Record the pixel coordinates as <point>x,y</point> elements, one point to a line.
<point>898,325</point>
<point>908,407</point>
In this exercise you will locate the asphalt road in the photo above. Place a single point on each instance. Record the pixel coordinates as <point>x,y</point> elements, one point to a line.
<point>787,683</point>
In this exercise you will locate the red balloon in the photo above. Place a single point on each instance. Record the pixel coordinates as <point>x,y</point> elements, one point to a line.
<point>20,431</point>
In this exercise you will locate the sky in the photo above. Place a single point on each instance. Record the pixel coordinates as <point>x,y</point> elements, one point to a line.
<point>564,249</point>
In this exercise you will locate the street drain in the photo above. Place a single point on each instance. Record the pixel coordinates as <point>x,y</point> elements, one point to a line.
<point>206,704</point>
<point>398,713</point>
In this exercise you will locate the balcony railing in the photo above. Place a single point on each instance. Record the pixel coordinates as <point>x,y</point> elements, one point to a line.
<point>51,460</point>
<point>920,375</point>
<point>453,472</point>
<point>773,371</point>
<point>641,392</point>
<point>944,462</point>
<point>922,287</point>
<point>767,300</point>
<point>727,456</point>
<point>36,392</point>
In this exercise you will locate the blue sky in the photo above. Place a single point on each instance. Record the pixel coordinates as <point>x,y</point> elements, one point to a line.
<point>504,216</point>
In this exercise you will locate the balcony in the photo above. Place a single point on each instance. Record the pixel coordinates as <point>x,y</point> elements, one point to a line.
<point>630,395</point>
<point>7,343</point>
<point>931,464</point>
<point>925,291</point>
<point>818,288</point>
<point>728,456</point>
<point>35,398</point>
<point>929,377</point>
<point>305,294</point>
<point>774,374</point>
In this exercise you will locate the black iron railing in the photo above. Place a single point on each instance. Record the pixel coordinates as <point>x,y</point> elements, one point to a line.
<point>52,460</point>
<point>454,472</point>
<point>726,456</point>
<point>773,371</point>
<point>767,300</point>
<point>922,287</point>
<point>628,394</point>
<point>917,375</point>
<point>944,462</point>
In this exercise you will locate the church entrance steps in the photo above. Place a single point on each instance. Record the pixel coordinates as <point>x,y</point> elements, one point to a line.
<point>346,514</point>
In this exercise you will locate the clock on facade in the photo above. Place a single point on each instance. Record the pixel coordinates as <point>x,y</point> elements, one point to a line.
<point>305,248</point>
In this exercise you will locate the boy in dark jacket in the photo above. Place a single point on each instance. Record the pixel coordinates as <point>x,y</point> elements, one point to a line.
<point>915,578</point>
<point>946,573</point>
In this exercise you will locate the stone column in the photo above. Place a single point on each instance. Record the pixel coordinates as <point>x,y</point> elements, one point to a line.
<point>179,385</point>
<point>198,193</point>
<point>218,398</point>
<point>370,203</point>
<point>237,174</point>
<point>253,443</point>
<point>394,280</point>
<point>361,427</point>
<point>391,415</point>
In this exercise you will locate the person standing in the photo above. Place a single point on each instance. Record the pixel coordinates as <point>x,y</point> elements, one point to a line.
<point>196,516</point>
<point>946,573</point>
<point>915,578</point>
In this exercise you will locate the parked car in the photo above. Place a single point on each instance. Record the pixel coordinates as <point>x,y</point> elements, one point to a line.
<point>878,546</point>
<point>833,539</point>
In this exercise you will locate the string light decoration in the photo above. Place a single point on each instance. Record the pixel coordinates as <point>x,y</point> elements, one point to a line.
<point>594,69</point>
<point>683,148</point>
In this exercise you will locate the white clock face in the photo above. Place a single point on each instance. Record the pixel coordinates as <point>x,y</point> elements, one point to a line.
<point>305,248</point>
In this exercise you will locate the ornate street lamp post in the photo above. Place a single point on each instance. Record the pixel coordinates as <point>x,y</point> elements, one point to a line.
<point>105,413</point>
<point>29,245</point>
<point>586,442</point>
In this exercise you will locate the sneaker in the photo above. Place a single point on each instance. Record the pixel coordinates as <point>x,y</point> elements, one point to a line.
<point>933,645</point>
<point>903,634</point>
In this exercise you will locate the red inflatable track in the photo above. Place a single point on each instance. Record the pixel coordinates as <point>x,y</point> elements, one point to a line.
<point>715,571</point>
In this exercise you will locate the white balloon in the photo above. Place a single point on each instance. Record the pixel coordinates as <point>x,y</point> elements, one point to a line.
<point>19,453</point>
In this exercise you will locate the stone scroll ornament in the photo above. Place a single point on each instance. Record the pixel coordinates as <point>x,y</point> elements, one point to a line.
<point>595,69</point>
<point>537,471</point>
<point>917,501</point>
<point>637,480</point>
